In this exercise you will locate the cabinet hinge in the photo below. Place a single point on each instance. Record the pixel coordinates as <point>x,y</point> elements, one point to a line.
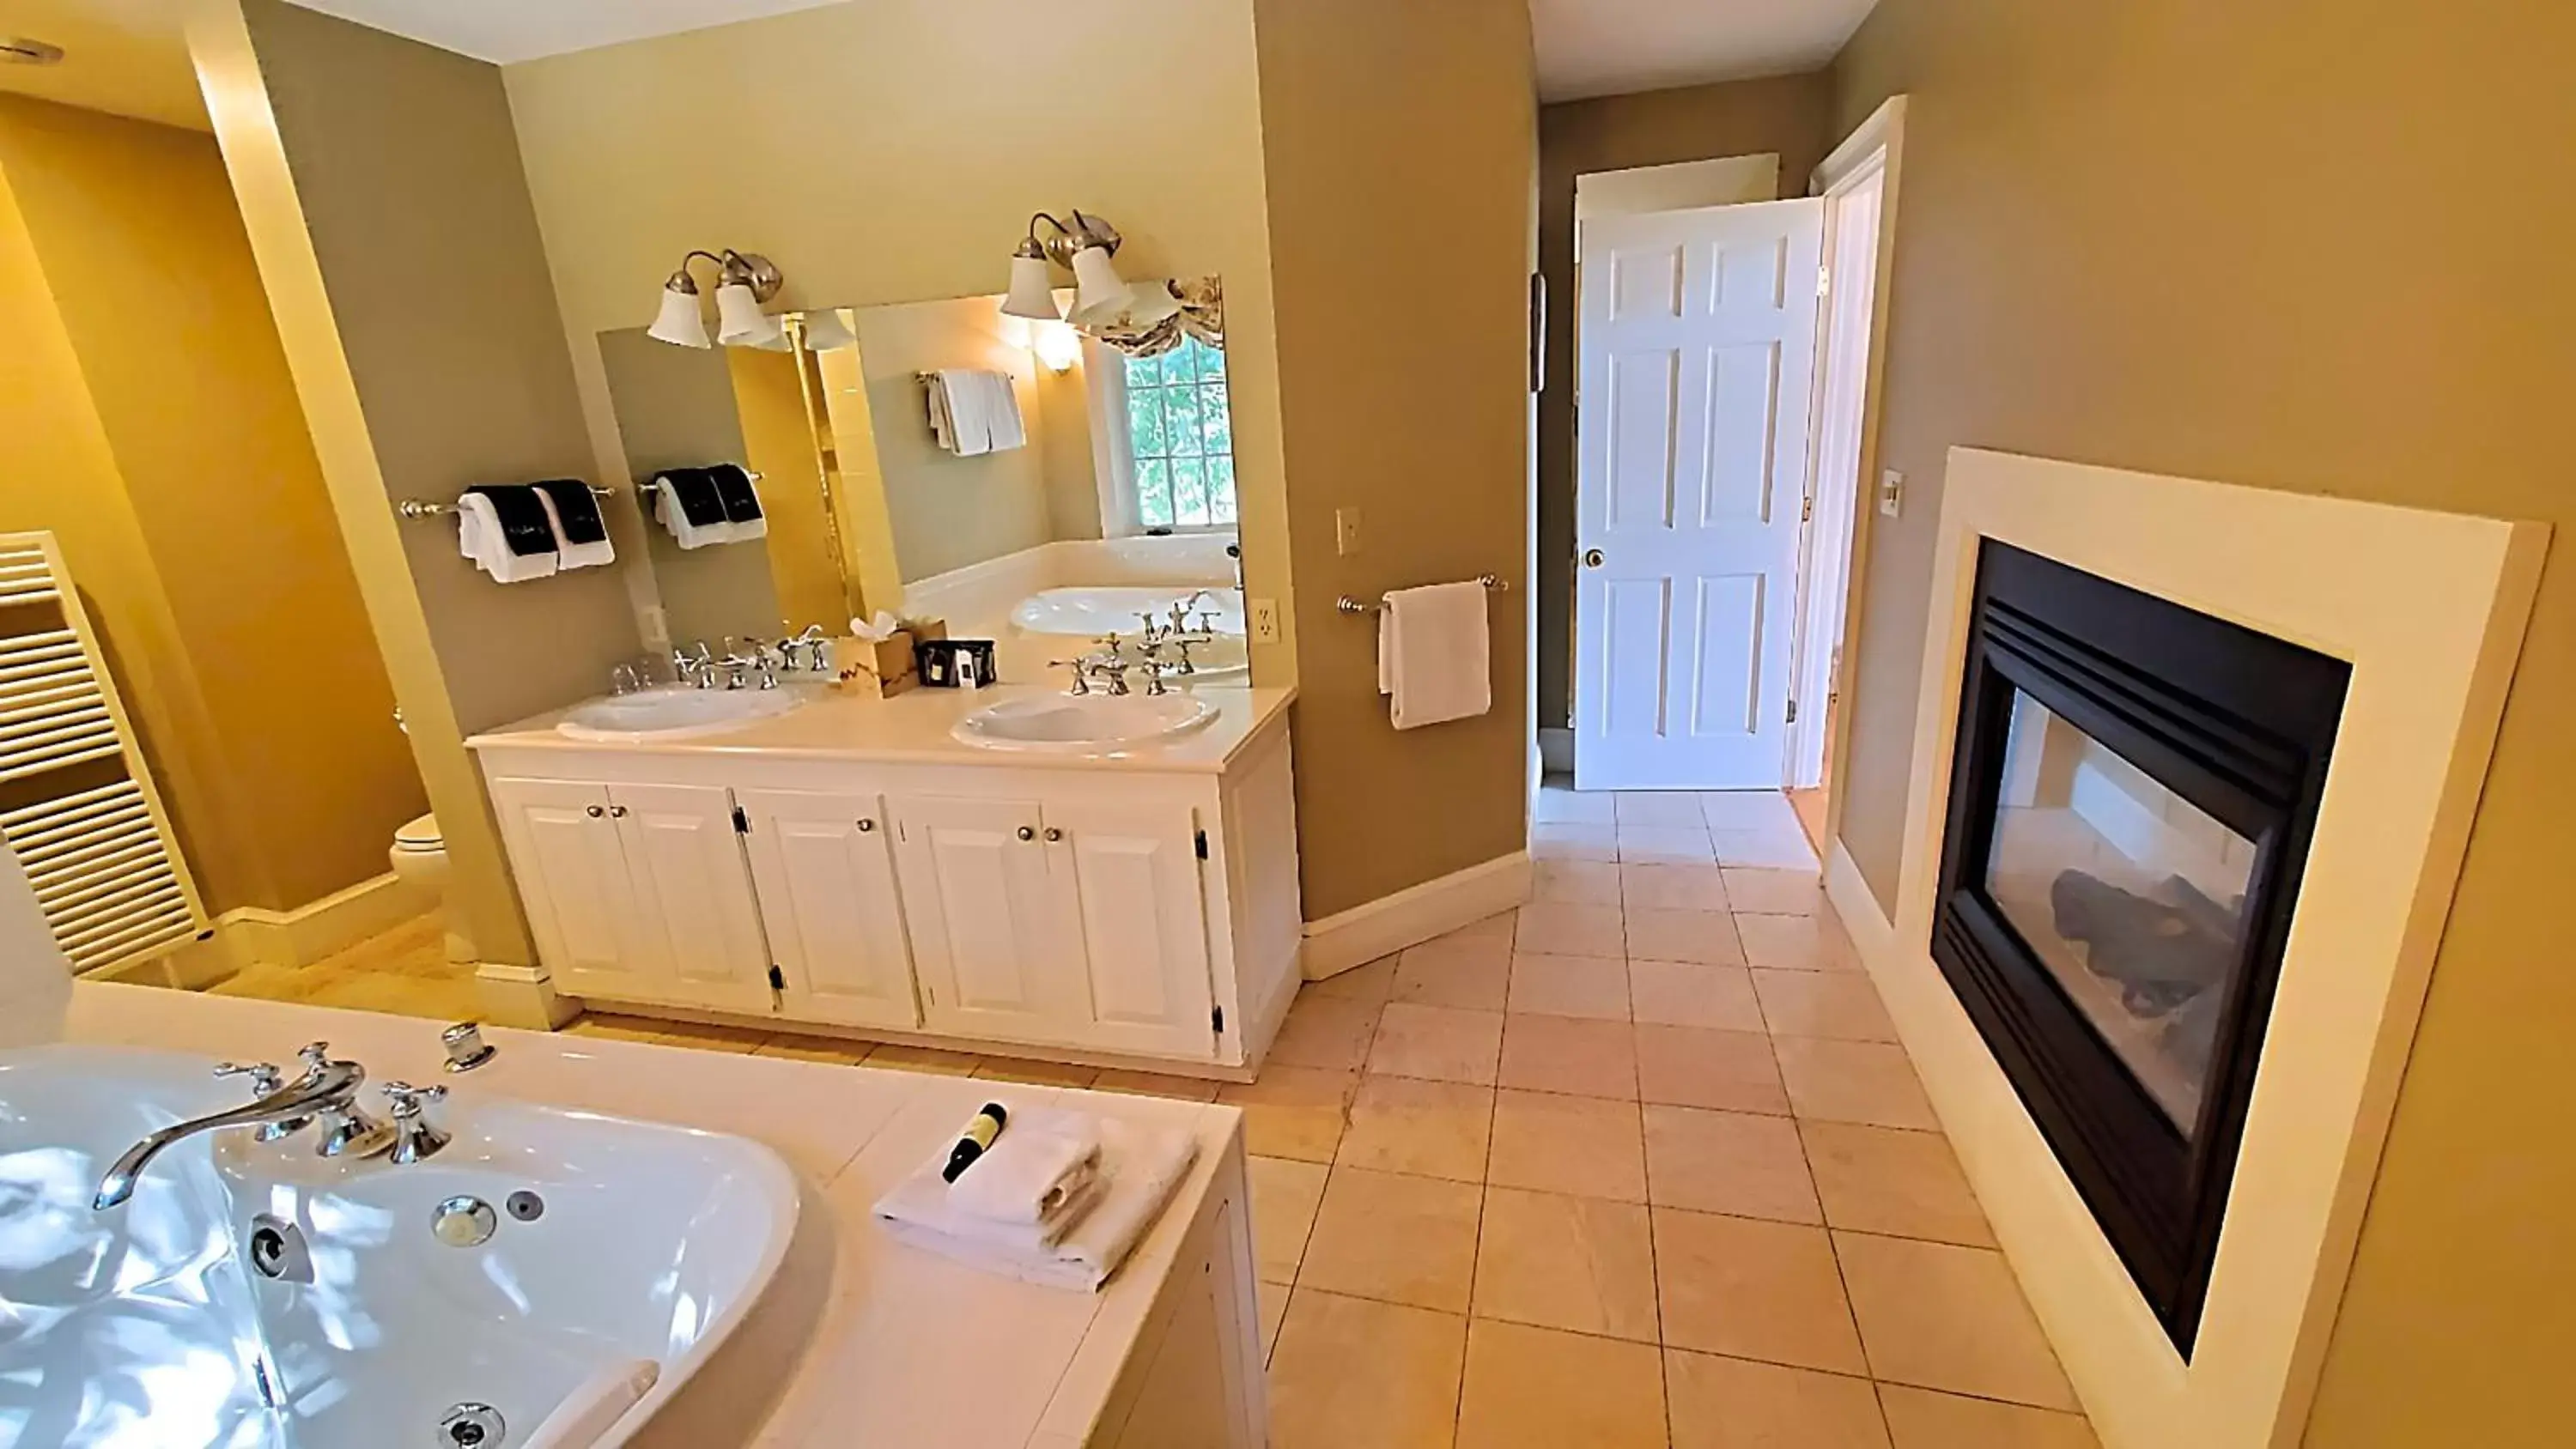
<point>1216,1019</point>
<point>1793,711</point>
<point>1203,845</point>
<point>1824,281</point>
<point>777,979</point>
<point>741,822</point>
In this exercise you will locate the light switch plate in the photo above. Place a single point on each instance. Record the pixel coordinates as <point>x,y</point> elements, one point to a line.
<point>1265,621</point>
<point>1891,493</point>
<point>1346,531</point>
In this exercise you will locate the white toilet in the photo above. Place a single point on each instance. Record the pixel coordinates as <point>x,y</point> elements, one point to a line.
<point>419,858</point>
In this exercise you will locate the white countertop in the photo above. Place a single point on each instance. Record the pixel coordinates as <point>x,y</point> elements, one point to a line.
<point>860,1340</point>
<point>913,728</point>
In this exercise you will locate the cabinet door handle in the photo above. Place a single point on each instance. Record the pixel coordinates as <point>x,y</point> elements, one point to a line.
<point>593,811</point>
<point>1027,833</point>
<point>866,825</point>
<point>1054,835</point>
<point>617,810</point>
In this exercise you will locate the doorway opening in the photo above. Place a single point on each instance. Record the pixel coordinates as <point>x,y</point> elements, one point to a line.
<point>1725,362</point>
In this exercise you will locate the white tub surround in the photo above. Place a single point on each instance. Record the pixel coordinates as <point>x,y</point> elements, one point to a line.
<point>2429,610</point>
<point>854,868</point>
<point>859,1340</point>
<point>985,593</point>
<point>35,977</point>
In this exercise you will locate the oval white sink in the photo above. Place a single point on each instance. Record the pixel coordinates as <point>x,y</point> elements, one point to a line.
<point>1087,724</point>
<point>676,712</point>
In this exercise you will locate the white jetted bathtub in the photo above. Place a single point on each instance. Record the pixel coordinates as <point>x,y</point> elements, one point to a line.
<point>255,1296</point>
<point>1091,610</point>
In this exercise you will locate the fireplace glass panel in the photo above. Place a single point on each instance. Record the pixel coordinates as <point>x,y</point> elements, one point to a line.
<point>2132,898</point>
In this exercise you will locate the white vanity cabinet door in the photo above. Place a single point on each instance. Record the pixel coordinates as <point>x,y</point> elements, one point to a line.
<point>1126,879</point>
<point>698,923</point>
<point>985,946</point>
<point>823,865</point>
<point>573,881</point>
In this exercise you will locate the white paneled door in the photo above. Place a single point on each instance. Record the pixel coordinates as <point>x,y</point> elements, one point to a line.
<point>1695,366</point>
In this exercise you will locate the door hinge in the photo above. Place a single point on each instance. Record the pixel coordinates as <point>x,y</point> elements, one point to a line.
<point>1824,281</point>
<point>1793,711</point>
<point>1807,509</point>
<point>777,979</point>
<point>1202,841</point>
<point>1216,1019</point>
<point>741,822</point>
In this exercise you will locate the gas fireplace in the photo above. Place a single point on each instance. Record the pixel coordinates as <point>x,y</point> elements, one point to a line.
<point>2131,802</point>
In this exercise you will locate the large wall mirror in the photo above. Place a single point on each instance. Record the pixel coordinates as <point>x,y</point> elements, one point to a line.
<point>1021,480</point>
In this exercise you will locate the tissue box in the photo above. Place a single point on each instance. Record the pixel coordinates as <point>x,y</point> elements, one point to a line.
<point>888,666</point>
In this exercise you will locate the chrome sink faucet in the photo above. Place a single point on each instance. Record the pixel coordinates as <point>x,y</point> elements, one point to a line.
<point>326,1094</point>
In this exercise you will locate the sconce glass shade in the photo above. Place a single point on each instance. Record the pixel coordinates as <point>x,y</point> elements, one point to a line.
<point>1103,295</point>
<point>1032,291</point>
<point>1057,346</point>
<point>1152,302</point>
<point>679,322</point>
<point>825,331</point>
<point>739,320</point>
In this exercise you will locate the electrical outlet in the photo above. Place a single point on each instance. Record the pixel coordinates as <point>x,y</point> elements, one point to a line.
<point>1346,531</point>
<point>655,627</point>
<point>1891,493</point>
<point>1265,621</point>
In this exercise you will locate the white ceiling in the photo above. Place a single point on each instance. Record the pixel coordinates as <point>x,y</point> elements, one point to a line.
<point>1611,47</point>
<point>505,31</point>
<point>125,56</point>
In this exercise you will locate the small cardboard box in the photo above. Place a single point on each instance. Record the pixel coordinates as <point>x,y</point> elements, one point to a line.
<point>889,666</point>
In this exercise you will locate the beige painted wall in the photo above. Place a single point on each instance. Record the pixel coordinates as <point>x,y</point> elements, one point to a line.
<point>381,184</point>
<point>894,153</point>
<point>2074,277</point>
<point>1399,143</point>
<point>948,512</point>
<point>1785,115</point>
<point>203,536</point>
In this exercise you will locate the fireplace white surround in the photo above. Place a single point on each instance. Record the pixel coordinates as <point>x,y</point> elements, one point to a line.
<point>2429,609</point>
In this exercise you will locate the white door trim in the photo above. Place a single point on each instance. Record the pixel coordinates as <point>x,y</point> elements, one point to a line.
<point>1879,143</point>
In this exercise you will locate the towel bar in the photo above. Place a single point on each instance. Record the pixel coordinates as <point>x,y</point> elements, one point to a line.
<point>1348,605</point>
<point>420,508</point>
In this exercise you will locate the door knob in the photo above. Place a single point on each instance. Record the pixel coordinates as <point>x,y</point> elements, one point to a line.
<point>593,811</point>
<point>866,825</point>
<point>1054,835</point>
<point>1027,833</point>
<point>1592,558</point>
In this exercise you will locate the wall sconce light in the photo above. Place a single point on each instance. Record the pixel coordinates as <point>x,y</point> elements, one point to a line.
<point>745,280</point>
<point>1085,248</point>
<point>1058,347</point>
<point>825,331</point>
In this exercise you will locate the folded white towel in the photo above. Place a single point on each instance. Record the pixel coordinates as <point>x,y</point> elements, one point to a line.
<point>574,555</point>
<point>1002,413</point>
<point>973,411</point>
<point>1435,654</point>
<point>478,537</point>
<point>668,513</point>
<point>924,1200</point>
<point>1140,1167</point>
<point>1030,1171</point>
<point>593,1408</point>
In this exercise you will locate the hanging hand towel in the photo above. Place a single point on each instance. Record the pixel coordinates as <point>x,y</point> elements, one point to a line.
<point>588,554</point>
<point>934,399</point>
<point>685,501</point>
<point>959,392</point>
<point>741,502</point>
<point>1434,654</point>
<point>486,534</point>
<point>574,511</point>
<point>1002,413</point>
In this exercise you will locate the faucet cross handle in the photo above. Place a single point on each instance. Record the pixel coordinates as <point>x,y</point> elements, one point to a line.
<point>315,1055</point>
<point>415,1137</point>
<point>265,1078</point>
<point>407,1100</point>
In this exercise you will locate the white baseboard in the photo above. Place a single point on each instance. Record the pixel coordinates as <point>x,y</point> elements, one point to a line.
<point>1414,915</point>
<point>1556,751</point>
<point>1871,931</point>
<point>306,934</point>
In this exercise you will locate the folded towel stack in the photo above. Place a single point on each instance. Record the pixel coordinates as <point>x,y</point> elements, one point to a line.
<point>1060,1199</point>
<point>701,506</point>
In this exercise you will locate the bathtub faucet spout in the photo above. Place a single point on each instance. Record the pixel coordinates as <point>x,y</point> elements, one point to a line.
<point>328,1090</point>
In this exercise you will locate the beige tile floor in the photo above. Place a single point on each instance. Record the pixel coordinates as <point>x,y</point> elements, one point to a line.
<point>1638,1164</point>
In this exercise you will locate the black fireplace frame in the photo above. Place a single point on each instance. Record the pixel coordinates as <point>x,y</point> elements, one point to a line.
<point>2238,723</point>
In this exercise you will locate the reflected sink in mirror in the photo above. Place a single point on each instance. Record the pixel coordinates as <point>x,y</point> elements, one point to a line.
<point>1086,724</point>
<point>679,712</point>
<point>255,1296</point>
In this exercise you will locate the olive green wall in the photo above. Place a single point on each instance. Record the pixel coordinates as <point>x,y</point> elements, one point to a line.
<point>2170,237</point>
